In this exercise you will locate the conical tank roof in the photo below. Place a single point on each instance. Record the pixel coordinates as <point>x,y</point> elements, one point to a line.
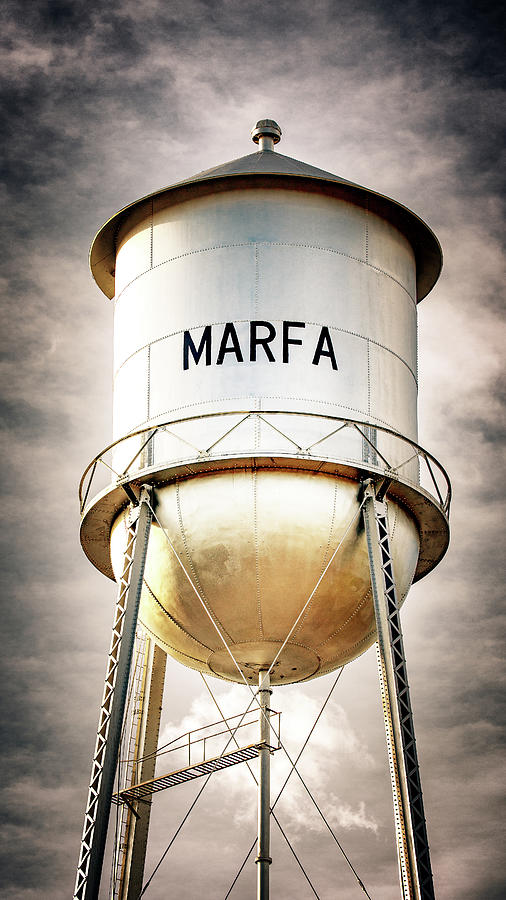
<point>266,162</point>
<point>267,168</point>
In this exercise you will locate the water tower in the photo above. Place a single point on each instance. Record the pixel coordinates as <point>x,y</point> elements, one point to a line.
<point>270,505</point>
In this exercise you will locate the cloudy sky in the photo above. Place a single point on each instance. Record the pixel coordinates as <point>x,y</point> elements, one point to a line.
<point>103,103</point>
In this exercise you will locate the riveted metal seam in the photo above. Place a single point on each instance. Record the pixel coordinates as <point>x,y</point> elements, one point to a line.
<point>351,649</point>
<point>192,567</point>
<point>343,625</point>
<point>367,231</point>
<point>268,244</point>
<point>148,391</point>
<point>369,377</point>
<point>393,524</point>
<point>151,236</point>
<point>175,258</point>
<point>362,337</point>
<point>325,557</point>
<point>173,650</point>
<point>268,397</point>
<point>257,553</point>
<point>257,281</point>
<point>172,619</point>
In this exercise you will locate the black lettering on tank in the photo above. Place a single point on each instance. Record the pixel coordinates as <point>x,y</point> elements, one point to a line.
<point>261,334</point>
<point>325,341</point>
<point>287,340</point>
<point>256,341</point>
<point>229,332</point>
<point>196,352</point>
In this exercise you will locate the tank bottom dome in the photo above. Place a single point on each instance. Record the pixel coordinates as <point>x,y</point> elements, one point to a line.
<point>255,542</point>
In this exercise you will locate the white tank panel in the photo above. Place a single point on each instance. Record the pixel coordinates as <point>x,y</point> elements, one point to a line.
<point>275,256</point>
<point>151,308</point>
<point>138,258</point>
<point>386,250</point>
<point>344,236</point>
<point>290,282</point>
<point>130,396</point>
<point>256,215</point>
<point>374,385</point>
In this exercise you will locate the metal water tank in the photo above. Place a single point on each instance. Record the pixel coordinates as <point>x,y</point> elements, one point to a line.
<point>265,365</point>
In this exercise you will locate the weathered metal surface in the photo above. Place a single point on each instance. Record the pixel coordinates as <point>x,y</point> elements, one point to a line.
<point>255,543</point>
<point>332,442</point>
<point>296,262</point>
<point>270,170</point>
<point>257,306</point>
<point>265,284</point>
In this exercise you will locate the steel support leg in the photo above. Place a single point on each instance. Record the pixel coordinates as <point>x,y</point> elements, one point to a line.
<point>263,859</point>
<point>411,832</point>
<point>134,833</point>
<point>110,721</point>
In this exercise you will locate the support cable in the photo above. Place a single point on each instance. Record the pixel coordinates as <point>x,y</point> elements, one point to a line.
<point>294,765</point>
<point>278,823</point>
<point>330,829</point>
<point>174,836</point>
<point>254,695</point>
<point>231,888</point>
<point>211,618</point>
<point>226,722</point>
<point>197,592</point>
<point>164,854</point>
<point>306,876</point>
<point>317,585</point>
<point>341,670</point>
<point>250,851</point>
<point>193,804</point>
<point>218,630</point>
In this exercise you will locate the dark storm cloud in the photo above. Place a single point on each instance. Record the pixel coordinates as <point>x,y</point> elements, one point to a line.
<point>104,102</point>
<point>29,422</point>
<point>80,63</point>
<point>468,35</point>
<point>491,427</point>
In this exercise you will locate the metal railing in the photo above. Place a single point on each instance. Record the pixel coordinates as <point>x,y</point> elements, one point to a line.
<point>188,741</point>
<point>342,440</point>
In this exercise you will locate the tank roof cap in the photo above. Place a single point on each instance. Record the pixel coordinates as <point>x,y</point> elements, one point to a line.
<point>266,128</point>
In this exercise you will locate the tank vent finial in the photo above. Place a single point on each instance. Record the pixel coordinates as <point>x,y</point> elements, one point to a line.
<point>266,133</point>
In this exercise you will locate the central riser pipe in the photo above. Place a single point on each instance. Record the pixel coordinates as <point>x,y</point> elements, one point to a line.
<point>263,859</point>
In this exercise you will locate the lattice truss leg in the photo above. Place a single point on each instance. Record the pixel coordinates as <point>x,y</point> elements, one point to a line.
<point>411,831</point>
<point>129,755</point>
<point>113,704</point>
<point>141,743</point>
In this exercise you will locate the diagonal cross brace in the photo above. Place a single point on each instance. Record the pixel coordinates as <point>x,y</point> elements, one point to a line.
<point>112,710</point>
<point>411,831</point>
